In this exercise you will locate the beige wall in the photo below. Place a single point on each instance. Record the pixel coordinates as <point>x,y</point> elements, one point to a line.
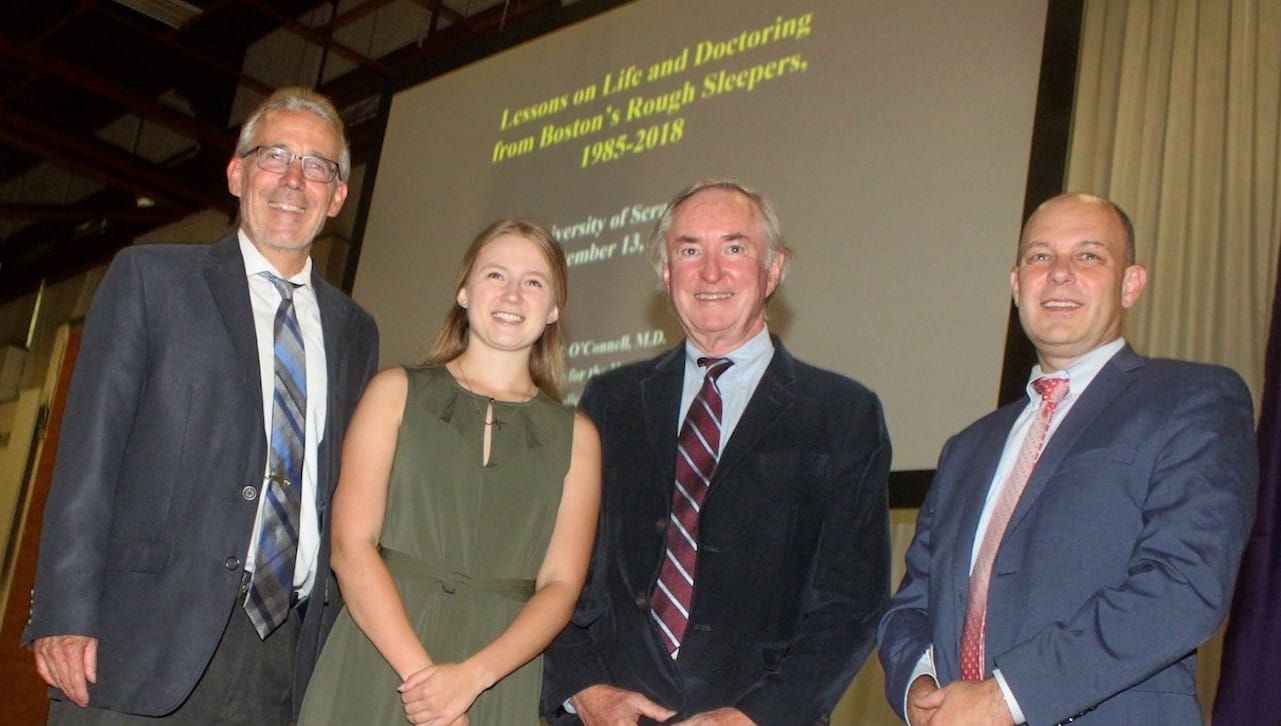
<point>16,444</point>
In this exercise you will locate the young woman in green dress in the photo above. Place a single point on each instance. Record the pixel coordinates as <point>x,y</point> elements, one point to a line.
<point>466,509</point>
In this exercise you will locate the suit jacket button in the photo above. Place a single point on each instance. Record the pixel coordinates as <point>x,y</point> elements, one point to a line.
<point>249,493</point>
<point>232,563</point>
<point>642,602</point>
<point>660,524</point>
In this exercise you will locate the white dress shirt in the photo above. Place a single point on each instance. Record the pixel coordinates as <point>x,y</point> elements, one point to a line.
<point>266,299</point>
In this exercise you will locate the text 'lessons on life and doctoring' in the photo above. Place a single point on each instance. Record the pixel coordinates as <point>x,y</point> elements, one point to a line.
<point>640,107</point>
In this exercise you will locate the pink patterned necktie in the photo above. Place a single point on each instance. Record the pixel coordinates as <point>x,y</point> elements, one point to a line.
<point>697,452</point>
<point>1052,391</point>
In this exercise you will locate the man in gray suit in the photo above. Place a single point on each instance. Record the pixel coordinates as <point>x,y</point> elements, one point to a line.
<point>1077,547</point>
<point>171,509</point>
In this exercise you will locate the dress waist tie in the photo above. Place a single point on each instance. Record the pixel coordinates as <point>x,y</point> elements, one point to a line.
<point>412,568</point>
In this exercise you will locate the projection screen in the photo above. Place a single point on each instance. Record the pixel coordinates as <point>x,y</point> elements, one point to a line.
<point>892,138</point>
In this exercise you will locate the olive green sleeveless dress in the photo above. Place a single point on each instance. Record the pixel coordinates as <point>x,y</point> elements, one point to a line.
<point>463,542</point>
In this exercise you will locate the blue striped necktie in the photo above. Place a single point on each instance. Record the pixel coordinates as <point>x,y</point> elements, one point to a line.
<point>271,589</point>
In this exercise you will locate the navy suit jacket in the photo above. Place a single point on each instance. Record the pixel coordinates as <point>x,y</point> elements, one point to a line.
<point>159,466</point>
<point>794,548</point>
<point>1118,561</point>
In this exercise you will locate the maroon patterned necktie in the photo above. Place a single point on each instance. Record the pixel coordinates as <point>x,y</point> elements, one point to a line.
<point>974,635</point>
<point>696,454</point>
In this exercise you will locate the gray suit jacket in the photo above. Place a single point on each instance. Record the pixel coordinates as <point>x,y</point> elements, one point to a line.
<point>793,567</point>
<point>160,461</point>
<point>1118,562</point>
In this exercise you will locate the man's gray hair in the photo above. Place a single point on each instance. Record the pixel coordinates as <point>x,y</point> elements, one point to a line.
<point>297,98</point>
<point>775,244</point>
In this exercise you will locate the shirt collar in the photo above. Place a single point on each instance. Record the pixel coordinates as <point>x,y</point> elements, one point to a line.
<point>256,264</point>
<point>1079,372</point>
<point>757,347</point>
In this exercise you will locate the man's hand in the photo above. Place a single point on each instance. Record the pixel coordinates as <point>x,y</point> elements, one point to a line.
<point>602,705</point>
<point>69,663</point>
<point>967,703</point>
<point>719,717</point>
<point>917,713</point>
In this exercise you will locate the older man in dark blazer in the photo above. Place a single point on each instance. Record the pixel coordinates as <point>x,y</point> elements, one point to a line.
<point>1117,550</point>
<point>142,601</point>
<point>738,575</point>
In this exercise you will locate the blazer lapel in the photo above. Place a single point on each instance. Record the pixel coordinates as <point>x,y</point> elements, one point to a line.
<point>768,401</point>
<point>979,468</point>
<point>230,289</point>
<point>333,325</point>
<point>1103,390</point>
<point>660,404</point>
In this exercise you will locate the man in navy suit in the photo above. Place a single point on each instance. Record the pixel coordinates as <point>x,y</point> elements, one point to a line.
<point>1118,558</point>
<point>160,486</point>
<point>790,569</point>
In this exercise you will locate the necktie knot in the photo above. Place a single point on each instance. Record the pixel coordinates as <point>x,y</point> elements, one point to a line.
<point>283,286</point>
<point>1052,390</point>
<point>715,366</point>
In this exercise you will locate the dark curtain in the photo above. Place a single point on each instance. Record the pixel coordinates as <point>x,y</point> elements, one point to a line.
<point>1250,677</point>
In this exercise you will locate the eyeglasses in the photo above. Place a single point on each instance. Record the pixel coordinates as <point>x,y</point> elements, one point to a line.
<point>277,160</point>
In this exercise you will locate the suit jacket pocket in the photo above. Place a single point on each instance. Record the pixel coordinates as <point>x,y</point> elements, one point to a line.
<point>1100,456</point>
